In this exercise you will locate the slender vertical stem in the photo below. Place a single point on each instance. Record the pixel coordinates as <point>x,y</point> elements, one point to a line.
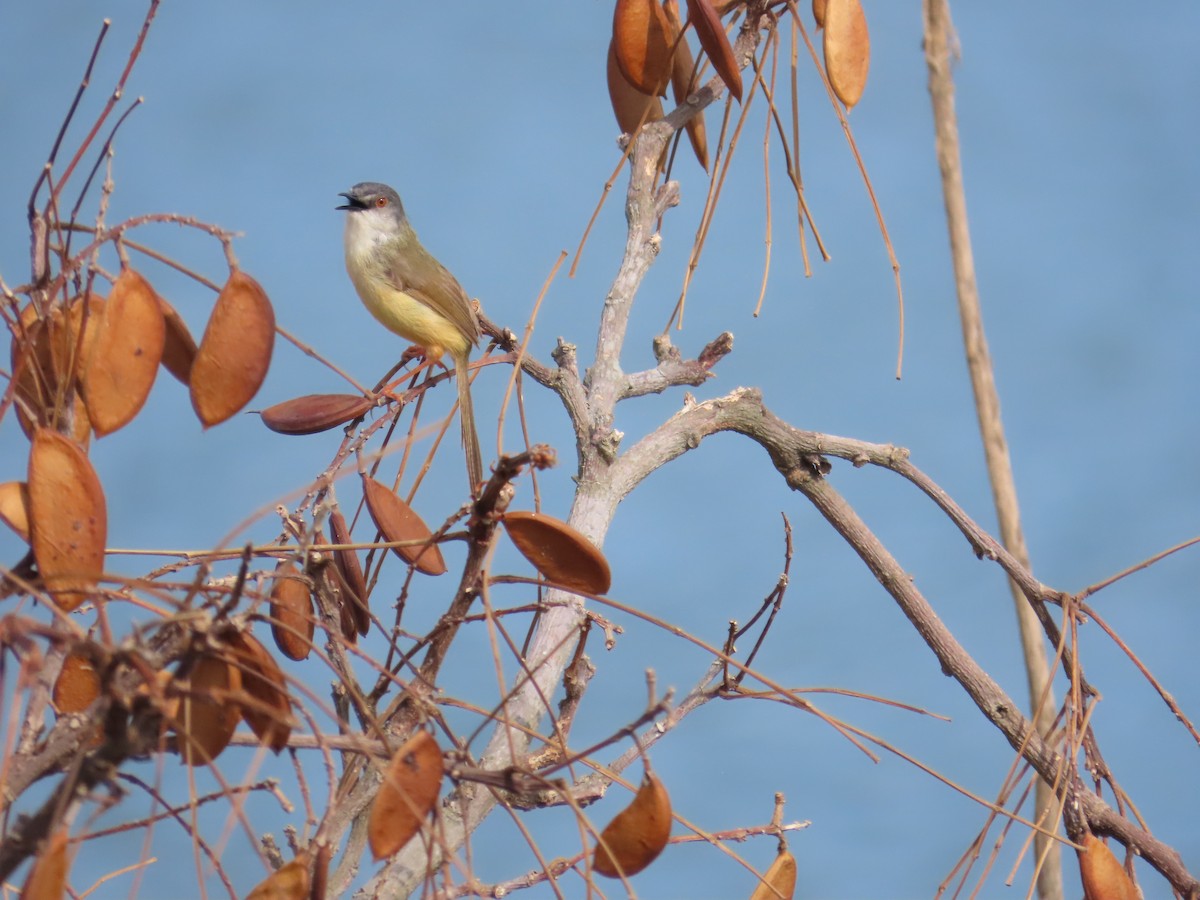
<point>938,28</point>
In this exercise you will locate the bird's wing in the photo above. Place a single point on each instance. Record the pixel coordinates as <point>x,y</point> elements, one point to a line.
<point>441,292</point>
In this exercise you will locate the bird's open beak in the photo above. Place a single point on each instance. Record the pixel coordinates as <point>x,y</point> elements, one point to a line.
<point>352,202</point>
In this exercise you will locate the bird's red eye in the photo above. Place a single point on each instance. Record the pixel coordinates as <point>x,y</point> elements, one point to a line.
<point>381,202</point>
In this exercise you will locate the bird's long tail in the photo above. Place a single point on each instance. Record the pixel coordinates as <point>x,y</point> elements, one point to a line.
<point>466,412</point>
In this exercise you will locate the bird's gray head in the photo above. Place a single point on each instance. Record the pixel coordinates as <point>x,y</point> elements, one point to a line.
<point>375,199</point>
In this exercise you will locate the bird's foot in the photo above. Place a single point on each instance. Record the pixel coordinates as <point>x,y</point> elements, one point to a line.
<point>417,352</point>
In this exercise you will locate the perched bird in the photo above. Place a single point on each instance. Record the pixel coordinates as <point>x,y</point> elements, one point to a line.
<point>412,293</point>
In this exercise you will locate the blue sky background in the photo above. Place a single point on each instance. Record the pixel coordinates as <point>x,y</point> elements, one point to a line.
<point>1079,137</point>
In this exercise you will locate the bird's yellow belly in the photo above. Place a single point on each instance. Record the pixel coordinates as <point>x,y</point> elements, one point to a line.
<point>409,318</point>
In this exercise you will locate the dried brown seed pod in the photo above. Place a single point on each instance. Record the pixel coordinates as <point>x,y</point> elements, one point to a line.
<point>14,507</point>
<point>77,685</point>
<point>684,77</point>
<point>47,358</point>
<point>715,42</point>
<point>268,711</point>
<point>1103,876</point>
<point>179,347</point>
<point>847,49</point>
<point>779,881</point>
<point>235,351</point>
<point>638,833</point>
<point>351,571</point>
<point>314,413</point>
<point>642,43</point>
<point>123,361</point>
<point>410,788</point>
<point>293,621</point>
<point>208,712</point>
<point>396,521</point>
<point>289,882</point>
<point>47,879</point>
<point>68,518</point>
<point>631,107</point>
<point>559,552</point>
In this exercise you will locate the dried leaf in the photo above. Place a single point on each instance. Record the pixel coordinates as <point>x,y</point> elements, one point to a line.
<point>1103,876</point>
<point>314,413</point>
<point>235,351</point>
<point>559,552</point>
<point>77,685</point>
<point>396,521</point>
<point>121,366</point>
<point>179,348</point>
<point>68,518</point>
<point>48,875</point>
<point>208,711</point>
<point>269,710</point>
<point>638,834</point>
<point>351,572</point>
<point>631,107</point>
<point>642,44</point>
<point>684,77</point>
<point>288,882</point>
<point>847,49</point>
<point>713,39</point>
<point>14,507</point>
<point>410,788</point>
<point>779,882</point>
<point>292,617</point>
<point>819,12</point>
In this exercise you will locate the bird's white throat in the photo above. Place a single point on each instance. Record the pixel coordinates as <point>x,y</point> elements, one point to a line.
<point>366,230</point>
